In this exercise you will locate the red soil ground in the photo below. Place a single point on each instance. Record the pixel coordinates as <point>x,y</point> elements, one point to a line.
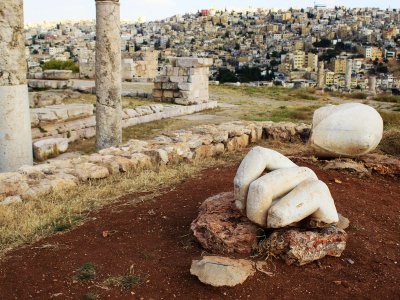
<point>161,249</point>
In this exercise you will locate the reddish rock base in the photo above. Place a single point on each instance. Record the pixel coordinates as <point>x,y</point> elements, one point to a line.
<point>300,247</point>
<point>221,228</point>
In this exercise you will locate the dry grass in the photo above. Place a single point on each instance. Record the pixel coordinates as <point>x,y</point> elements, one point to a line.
<point>391,120</point>
<point>390,143</point>
<point>29,221</point>
<point>275,92</point>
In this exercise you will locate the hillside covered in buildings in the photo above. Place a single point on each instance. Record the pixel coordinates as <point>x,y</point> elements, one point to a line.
<point>253,45</point>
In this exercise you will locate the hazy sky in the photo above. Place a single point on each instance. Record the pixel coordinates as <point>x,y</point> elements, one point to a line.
<point>53,10</point>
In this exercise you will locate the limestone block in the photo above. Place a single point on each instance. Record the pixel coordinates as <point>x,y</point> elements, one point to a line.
<point>272,186</point>
<point>349,130</point>
<point>144,110</point>
<point>47,148</point>
<point>11,184</point>
<point>86,171</point>
<point>45,114</point>
<point>192,62</point>
<point>157,93</point>
<point>252,166</point>
<point>222,271</point>
<point>131,113</point>
<point>57,74</point>
<point>221,228</point>
<point>168,94</point>
<point>311,197</point>
<point>178,79</point>
<point>156,107</point>
<point>185,86</point>
<point>158,85</point>
<point>239,142</point>
<point>161,79</point>
<point>170,85</point>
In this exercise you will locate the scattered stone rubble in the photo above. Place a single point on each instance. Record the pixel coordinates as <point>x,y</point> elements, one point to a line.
<point>31,182</point>
<point>183,82</point>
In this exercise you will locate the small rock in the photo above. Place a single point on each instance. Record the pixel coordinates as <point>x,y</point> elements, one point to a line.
<point>343,223</point>
<point>11,200</point>
<point>222,271</point>
<point>350,261</point>
<point>221,228</point>
<point>300,247</point>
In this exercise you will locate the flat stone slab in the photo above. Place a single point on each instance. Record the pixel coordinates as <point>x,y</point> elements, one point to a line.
<point>222,271</point>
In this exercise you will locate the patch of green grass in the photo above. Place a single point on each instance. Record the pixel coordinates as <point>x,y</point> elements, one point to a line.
<point>125,282</point>
<point>297,113</point>
<point>66,222</point>
<point>86,272</point>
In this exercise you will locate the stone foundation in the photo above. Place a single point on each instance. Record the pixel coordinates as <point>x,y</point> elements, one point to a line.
<point>183,82</point>
<point>170,148</point>
<point>77,121</point>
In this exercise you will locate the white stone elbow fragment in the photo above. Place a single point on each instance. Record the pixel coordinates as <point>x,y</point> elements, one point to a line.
<point>311,197</point>
<point>350,129</point>
<point>272,186</point>
<point>253,165</point>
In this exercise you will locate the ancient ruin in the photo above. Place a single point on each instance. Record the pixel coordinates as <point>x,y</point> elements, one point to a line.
<point>15,131</point>
<point>184,81</point>
<point>108,74</point>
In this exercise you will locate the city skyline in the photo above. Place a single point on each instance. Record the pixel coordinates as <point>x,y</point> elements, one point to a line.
<point>159,9</point>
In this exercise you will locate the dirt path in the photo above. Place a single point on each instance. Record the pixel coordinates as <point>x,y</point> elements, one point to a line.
<point>154,237</point>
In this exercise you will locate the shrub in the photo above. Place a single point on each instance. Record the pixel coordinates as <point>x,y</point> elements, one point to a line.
<point>61,65</point>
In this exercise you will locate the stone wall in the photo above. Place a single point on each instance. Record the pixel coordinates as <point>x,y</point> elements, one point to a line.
<point>183,82</point>
<point>170,148</point>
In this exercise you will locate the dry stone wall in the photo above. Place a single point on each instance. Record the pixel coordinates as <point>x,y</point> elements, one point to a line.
<point>170,148</point>
<point>183,82</point>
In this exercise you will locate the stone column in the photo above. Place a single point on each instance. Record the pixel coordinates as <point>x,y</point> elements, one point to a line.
<point>108,74</point>
<point>372,85</point>
<point>349,68</point>
<point>15,125</point>
<point>321,75</point>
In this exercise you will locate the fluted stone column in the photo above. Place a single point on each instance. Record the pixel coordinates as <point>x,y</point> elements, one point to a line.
<point>372,85</point>
<point>15,125</point>
<point>349,67</point>
<point>108,74</point>
<point>321,75</point>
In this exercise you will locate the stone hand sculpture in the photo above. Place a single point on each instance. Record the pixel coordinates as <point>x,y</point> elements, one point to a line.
<point>285,195</point>
<point>350,129</point>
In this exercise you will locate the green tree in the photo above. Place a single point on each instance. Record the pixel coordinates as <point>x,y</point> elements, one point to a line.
<point>225,75</point>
